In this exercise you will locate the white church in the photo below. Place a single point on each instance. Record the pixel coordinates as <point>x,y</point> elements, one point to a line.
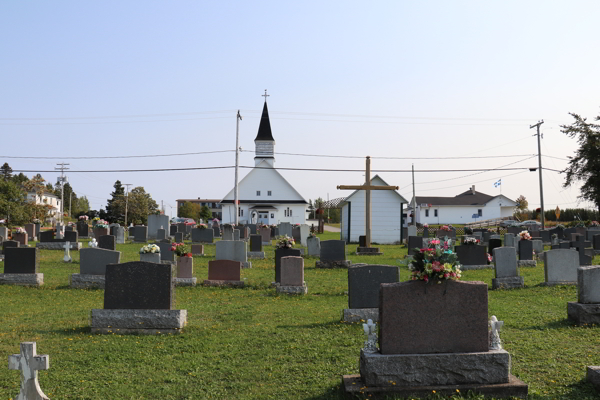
<point>265,196</point>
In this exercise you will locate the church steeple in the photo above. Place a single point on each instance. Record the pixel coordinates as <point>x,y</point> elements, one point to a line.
<point>264,143</point>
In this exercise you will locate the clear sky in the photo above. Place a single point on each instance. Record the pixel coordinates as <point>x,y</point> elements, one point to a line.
<point>345,78</point>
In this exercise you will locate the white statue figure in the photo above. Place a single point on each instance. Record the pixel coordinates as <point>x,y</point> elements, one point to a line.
<point>93,243</point>
<point>495,325</point>
<point>370,329</point>
<point>67,257</point>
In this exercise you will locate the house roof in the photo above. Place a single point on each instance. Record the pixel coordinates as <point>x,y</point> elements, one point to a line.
<point>468,198</point>
<point>264,128</point>
<point>384,183</point>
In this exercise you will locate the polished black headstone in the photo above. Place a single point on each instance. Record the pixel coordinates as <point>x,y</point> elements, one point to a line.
<point>472,254</point>
<point>525,250</point>
<point>172,229</point>
<point>108,242</point>
<point>364,281</point>
<point>46,236</point>
<point>414,242</point>
<point>21,260</point>
<point>216,231</point>
<point>139,285</point>
<point>83,229</point>
<point>362,241</point>
<point>252,229</point>
<point>596,240</point>
<point>333,250</point>
<point>9,243</point>
<point>494,243</point>
<point>71,236</point>
<point>255,242</point>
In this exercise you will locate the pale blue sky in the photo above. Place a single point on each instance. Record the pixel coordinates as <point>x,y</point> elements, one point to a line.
<point>386,79</point>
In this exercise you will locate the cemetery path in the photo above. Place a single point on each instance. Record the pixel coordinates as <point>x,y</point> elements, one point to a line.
<point>328,228</point>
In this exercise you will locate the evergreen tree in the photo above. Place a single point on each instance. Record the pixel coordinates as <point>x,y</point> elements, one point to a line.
<point>115,207</point>
<point>6,171</point>
<point>205,214</point>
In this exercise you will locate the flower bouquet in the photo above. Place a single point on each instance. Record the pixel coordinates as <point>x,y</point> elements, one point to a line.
<point>285,242</point>
<point>525,235</point>
<point>425,225</point>
<point>150,248</point>
<point>436,263</point>
<point>470,241</point>
<point>447,228</point>
<point>36,221</point>
<point>84,218</point>
<point>19,230</point>
<point>312,234</point>
<point>594,223</point>
<point>100,223</point>
<point>180,250</point>
<point>96,219</point>
<point>201,226</point>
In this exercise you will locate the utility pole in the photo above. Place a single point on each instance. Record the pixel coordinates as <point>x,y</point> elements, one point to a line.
<point>126,201</point>
<point>540,168</point>
<point>62,178</point>
<point>70,199</point>
<point>236,194</point>
<point>414,220</point>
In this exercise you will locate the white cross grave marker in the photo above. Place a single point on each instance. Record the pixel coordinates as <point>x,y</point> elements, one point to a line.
<point>67,247</point>
<point>29,363</point>
<point>93,243</point>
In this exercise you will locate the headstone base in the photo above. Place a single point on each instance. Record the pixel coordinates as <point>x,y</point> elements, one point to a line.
<point>256,254</point>
<point>333,264</point>
<point>353,386</point>
<point>246,264</point>
<point>526,263</point>
<point>137,321</point>
<point>22,279</point>
<point>471,267</point>
<point>557,283</point>
<point>360,314</point>
<point>489,367</point>
<point>211,282</point>
<point>57,246</point>
<point>292,289</point>
<point>593,376</point>
<point>509,282</point>
<point>368,251</point>
<point>583,314</point>
<point>184,281</point>
<point>82,281</point>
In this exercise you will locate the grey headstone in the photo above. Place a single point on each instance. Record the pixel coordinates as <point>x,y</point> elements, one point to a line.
<point>509,240</point>
<point>181,227</point>
<point>202,235</point>
<point>216,231</point>
<point>231,250</point>
<point>538,246</point>
<point>364,281</point>
<point>4,232</point>
<point>505,262</point>
<point>314,246</point>
<point>285,228</point>
<point>227,232</point>
<point>107,242</point>
<point>93,261</point>
<point>141,233</point>
<point>236,234</point>
<point>588,284</point>
<point>165,251</point>
<point>179,237</point>
<point>155,222</point>
<point>590,233</point>
<point>161,234</point>
<point>333,250</point>
<point>120,235</point>
<point>560,266</point>
<point>252,229</point>
<point>412,230</point>
<point>279,254</point>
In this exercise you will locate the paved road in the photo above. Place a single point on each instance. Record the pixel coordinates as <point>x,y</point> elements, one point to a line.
<point>328,228</point>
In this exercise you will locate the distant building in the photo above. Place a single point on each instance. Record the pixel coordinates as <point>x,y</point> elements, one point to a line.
<point>213,204</point>
<point>462,208</point>
<point>48,199</point>
<point>265,196</point>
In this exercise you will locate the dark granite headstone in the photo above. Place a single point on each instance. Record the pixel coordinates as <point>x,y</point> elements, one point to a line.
<point>71,236</point>
<point>93,261</point>
<point>37,228</point>
<point>181,227</point>
<point>161,234</point>
<point>21,260</point>
<point>253,230</point>
<point>69,228</point>
<point>216,231</point>
<point>172,230</point>
<point>362,241</point>
<point>255,242</point>
<point>224,270</point>
<point>564,244</point>
<point>9,243</point>
<point>556,230</point>
<point>472,254</point>
<point>512,229</point>
<point>545,235</point>
<point>203,235</point>
<point>580,242</point>
<point>108,242</point>
<point>425,232</point>
<point>585,258</point>
<point>596,240</point>
<point>283,253</point>
<point>139,285</point>
<point>46,236</point>
<point>165,250</point>
<point>494,243</point>
<point>364,282</point>
<point>179,237</point>
<point>567,233</point>
<point>525,250</point>
<point>141,233</point>
<point>414,242</point>
<point>296,234</point>
<point>458,325</point>
<point>486,236</point>
<point>333,250</point>
<point>83,229</point>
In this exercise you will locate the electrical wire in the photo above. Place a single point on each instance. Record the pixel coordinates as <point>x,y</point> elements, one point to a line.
<point>105,157</point>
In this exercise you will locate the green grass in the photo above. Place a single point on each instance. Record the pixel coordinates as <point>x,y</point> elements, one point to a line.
<point>253,344</point>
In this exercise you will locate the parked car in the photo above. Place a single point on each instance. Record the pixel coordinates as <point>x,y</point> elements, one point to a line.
<point>187,221</point>
<point>509,222</point>
<point>529,223</point>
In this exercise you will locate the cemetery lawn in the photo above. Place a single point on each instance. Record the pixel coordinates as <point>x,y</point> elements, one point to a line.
<point>254,344</point>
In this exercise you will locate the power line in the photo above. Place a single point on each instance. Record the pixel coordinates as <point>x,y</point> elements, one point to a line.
<point>116,116</point>
<point>396,158</point>
<point>105,157</point>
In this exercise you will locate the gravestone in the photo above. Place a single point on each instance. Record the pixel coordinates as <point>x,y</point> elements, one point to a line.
<point>568,232</point>
<point>253,229</point>
<point>22,238</point>
<point>71,236</point>
<point>202,235</point>
<point>236,235</point>
<point>197,250</point>
<point>179,237</point>
<point>30,229</point>
<point>412,230</point>
<point>538,246</point>
<point>224,273</point>
<point>59,230</point>
<point>83,229</point>
<point>21,265</point>
<point>185,272</point>
<point>486,236</point>
<point>141,234</point>
<point>314,246</point>
<point>525,250</point>
<point>161,234</point>
<point>560,267</point>
<point>107,242</point>
<point>4,232</point>
<point>29,363</point>
<point>227,232</point>
<point>243,233</point>
<point>92,267</point>
<point>138,298</point>
<point>69,228</point>
<point>120,235</point>
<point>413,243</point>
<point>586,311</point>
<point>425,233</point>
<point>471,255</point>
<point>285,229</point>
<point>279,254</point>
<point>545,235</point>
<point>265,234</point>
<point>234,250</point>
<point>596,240</point>
<point>304,233</point>
<point>591,232</point>
<point>515,230</point>
<point>216,231</point>
<point>256,247</point>
<point>9,243</point>
<point>156,222</point>
<point>165,251</point>
<point>494,243</point>
<point>447,351</point>
<point>333,255</point>
<point>172,229</point>
<point>292,276</point>
<point>362,241</point>
<point>507,270</point>
<point>181,227</point>
<point>363,290</point>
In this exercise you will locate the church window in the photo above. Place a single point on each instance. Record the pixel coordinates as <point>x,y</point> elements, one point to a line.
<point>258,192</point>
<point>241,213</point>
<point>289,212</point>
<point>272,215</point>
<point>435,213</point>
<point>427,213</point>
<point>268,193</point>
<point>480,212</point>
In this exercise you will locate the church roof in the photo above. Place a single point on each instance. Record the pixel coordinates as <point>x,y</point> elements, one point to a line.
<point>264,129</point>
<point>468,198</point>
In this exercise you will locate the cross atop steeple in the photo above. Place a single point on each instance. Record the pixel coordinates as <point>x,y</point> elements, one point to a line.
<point>265,95</point>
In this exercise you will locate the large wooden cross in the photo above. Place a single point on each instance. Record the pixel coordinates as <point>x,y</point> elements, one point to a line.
<point>367,187</point>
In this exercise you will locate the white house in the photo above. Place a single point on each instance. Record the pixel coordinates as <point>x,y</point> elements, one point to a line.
<point>386,215</point>
<point>462,208</point>
<point>47,199</point>
<point>265,196</point>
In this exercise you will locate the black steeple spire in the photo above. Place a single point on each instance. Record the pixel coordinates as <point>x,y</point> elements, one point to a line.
<point>264,129</point>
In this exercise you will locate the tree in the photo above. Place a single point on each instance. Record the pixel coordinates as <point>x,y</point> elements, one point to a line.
<point>205,214</point>
<point>585,165</point>
<point>12,203</point>
<point>20,179</point>
<point>522,203</point>
<point>36,185</point>
<point>140,205</point>
<point>189,210</point>
<point>115,207</point>
<point>6,171</point>
<point>81,206</point>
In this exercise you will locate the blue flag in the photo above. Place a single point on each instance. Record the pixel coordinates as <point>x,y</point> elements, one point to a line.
<point>498,183</point>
